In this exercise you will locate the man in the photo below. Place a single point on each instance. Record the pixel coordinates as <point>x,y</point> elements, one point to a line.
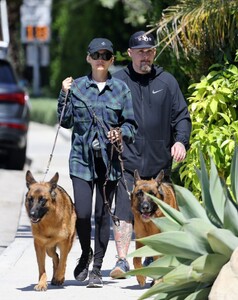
<point>164,128</point>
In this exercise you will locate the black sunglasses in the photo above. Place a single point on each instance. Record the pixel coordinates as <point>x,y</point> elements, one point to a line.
<point>104,56</point>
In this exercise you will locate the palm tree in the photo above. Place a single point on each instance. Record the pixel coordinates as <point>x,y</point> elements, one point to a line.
<point>205,30</point>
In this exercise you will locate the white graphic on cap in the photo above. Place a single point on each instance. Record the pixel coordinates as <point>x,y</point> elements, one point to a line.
<point>144,38</point>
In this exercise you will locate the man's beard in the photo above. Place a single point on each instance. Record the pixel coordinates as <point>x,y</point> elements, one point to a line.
<point>145,67</point>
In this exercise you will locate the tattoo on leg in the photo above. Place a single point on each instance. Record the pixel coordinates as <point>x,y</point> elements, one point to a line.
<point>122,236</point>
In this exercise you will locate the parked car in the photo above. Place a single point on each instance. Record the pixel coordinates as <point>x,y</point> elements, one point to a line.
<point>14,118</point>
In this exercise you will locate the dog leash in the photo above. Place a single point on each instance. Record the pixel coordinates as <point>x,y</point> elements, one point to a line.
<point>114,146</point>
<point>119,148</point>
<point>56,136</point>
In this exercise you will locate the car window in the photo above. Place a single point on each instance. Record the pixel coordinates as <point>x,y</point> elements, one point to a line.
<point>6,73</point>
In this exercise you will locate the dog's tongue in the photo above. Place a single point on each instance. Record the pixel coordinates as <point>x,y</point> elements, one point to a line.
<point>146,216</point>
<point>35,220</point>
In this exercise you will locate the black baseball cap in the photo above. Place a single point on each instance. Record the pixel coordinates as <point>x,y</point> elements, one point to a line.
<point>141,39</point>
<point>100,44</point>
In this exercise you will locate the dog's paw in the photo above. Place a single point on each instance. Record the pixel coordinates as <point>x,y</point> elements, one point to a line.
<point>156,281</point>
<point>41,287</point>
<point>57,282</point>
<point>141,280</point>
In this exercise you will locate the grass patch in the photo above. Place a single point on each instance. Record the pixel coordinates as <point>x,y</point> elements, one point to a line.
<point>44,110</point>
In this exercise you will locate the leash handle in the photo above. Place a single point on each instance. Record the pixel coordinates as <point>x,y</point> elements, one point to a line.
<point>56,136</point>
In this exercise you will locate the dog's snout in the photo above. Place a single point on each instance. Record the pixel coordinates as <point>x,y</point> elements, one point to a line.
<point>145,206</point>
<point>32,213</point>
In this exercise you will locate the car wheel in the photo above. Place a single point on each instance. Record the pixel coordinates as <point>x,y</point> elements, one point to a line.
<point>16,159</point>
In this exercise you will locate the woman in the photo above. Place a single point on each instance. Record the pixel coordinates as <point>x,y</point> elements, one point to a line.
<point>99,109</point>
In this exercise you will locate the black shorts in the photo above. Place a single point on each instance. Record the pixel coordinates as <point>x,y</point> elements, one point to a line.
<point>122,198</point>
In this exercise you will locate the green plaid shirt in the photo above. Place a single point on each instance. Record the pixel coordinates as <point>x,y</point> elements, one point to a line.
<point>112,108</point>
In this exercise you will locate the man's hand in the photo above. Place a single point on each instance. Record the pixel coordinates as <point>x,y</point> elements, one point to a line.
<point>178,152</point>
<point>66,84</point>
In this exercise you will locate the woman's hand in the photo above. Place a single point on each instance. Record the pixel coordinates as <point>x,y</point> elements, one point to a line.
<point>66,84</point>
<point>114,135</point>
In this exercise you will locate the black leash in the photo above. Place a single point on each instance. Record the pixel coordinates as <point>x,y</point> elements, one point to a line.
<point>56,136</point>
<point>114,146</point>
<point>119,149</point>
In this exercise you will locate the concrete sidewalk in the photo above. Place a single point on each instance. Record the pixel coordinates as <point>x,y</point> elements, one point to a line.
<point>19,273</point>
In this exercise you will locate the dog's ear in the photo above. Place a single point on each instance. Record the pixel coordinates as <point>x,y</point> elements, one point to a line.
<point>160,177</point>
<point>29,179</point>
<point>54,180</point>
<point>136,176</point>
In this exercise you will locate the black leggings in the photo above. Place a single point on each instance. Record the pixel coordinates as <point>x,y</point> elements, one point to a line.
<point>83,198</point>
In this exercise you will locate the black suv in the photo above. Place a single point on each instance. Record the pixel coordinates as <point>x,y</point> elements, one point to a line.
<point>14,118</point>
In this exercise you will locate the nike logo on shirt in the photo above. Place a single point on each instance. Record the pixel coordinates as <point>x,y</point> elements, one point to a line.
<point>155,92</point>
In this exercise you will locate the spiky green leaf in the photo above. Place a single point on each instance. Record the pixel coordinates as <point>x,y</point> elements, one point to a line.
<point>181,275</point>
<point>153,272</point>
<point>165,224</point>
<point>197,230</point>
<point>162,287</point>
<point>222,241</point>
<point>231,217</point>
<point>188,204</point>
<point>234,173</point>
<point>170,212</point>
<point>209,265</point>
<point>206,197</point>
<point>218,197</point>
<point>201,294</point>
<point>144,251</point>
<point>174,243</point>
<point>159,267</point>
<point>169,260</point>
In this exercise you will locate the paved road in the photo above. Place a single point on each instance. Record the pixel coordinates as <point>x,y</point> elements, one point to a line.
<point>18,267</point>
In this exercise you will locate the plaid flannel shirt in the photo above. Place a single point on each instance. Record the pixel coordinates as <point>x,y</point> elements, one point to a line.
<point>112,108</point>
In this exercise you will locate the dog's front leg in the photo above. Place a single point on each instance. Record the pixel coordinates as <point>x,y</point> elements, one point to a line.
<point>55,259</point>
<point>59,274</point>
<point>137,261</point>
<point>40,255</point>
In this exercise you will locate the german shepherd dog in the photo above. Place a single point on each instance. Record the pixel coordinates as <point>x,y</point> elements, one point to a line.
<point>144,208</point>
<point>52,215</point>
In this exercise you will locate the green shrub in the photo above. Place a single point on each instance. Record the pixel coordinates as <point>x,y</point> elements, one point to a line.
<point>213,106</point>
<point>44,110</point>
<point>196,241</point>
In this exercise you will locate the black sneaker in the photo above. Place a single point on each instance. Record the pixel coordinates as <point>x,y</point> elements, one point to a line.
<point>81,270</point>
<point>120,269</point>
<point>95,279</point>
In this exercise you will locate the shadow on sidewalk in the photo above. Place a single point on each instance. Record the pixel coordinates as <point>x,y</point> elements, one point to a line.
<point>69,283</point>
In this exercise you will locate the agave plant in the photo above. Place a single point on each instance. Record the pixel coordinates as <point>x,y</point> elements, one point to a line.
<point>196,241</point>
